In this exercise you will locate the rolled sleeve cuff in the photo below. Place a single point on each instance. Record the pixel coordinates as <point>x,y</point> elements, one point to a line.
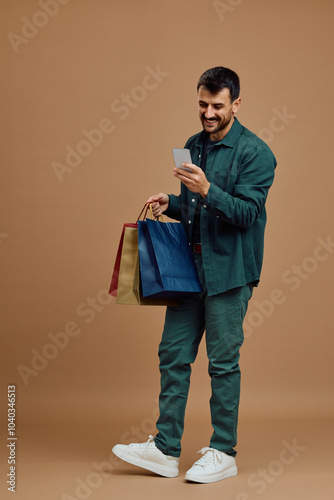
<point>173,210</point>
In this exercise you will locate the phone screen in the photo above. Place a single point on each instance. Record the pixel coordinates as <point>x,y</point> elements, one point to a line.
<point>182,155</point>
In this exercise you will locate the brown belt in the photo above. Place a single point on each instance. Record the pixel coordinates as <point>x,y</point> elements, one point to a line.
<point>197,248</point>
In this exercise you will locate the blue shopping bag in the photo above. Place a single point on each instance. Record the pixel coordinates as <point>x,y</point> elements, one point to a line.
<point>167,267</point>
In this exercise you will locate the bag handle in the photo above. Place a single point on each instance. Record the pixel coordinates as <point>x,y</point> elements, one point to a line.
<point>146,208</point>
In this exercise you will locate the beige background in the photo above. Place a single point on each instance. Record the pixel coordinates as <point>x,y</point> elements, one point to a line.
<point>59,234</point>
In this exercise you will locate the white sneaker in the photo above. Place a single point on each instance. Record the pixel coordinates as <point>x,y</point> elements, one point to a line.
<point>147,456</point>
<point>213,466</point>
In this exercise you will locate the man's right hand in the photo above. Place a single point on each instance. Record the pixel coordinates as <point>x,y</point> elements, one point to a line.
<point>160,203</point>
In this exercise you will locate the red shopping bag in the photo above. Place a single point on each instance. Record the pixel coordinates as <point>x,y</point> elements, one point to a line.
<point>115,275</point>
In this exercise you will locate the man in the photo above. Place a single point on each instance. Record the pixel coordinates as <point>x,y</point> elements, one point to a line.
<point>222,207</point>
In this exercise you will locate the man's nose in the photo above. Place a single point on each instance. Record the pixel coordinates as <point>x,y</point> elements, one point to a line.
<point>209,113</point>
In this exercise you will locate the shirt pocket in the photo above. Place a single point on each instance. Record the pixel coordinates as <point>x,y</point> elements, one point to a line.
<point>226,179</point>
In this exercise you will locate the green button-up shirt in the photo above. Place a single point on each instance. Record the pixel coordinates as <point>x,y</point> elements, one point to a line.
<point>240,169</point>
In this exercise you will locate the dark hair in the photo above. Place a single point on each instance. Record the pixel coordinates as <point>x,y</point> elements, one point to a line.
<point>219,78</point>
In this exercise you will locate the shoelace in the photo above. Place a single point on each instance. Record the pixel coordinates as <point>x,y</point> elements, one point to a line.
<point>149,443</point>
<point>210,455</point>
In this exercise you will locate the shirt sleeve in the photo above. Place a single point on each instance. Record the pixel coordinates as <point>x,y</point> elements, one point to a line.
<point>174,208</point>
<point>245,205</point>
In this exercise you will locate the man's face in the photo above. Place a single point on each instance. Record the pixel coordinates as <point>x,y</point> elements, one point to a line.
<point>216,112</point>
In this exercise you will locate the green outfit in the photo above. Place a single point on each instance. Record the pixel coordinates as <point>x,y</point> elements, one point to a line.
<point>240,169</point>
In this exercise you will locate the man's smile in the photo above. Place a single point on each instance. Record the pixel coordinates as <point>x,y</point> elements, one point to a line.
<point>210,120</point>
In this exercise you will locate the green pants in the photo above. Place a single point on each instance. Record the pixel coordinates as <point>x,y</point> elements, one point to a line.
<point>221,317</point>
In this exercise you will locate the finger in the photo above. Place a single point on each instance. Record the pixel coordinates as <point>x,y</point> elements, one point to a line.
<point>154,198</point>
<point>182,173</point>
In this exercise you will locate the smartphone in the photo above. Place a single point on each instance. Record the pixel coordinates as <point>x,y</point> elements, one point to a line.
<point>182,155</point>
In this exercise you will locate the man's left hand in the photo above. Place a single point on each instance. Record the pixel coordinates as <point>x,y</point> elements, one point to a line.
<point>195,180</point>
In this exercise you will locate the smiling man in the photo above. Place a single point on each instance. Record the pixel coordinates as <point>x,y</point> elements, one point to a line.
<point>217,112</point>
<point>222,208</point>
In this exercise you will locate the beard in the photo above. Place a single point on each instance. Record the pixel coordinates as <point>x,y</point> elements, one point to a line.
<point>218,124</point>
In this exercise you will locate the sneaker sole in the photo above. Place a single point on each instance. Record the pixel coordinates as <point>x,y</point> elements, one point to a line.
<point>211,478</point>
<point>162,470</point>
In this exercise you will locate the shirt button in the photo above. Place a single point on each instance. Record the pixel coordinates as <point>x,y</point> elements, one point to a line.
<point>189,221</point>
<point>199,156</point>
<point>204,206</point>
<point>217,216</point>
<point>193,200</point>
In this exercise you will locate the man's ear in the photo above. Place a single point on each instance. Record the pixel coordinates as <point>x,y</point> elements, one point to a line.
<point>236,105</point>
